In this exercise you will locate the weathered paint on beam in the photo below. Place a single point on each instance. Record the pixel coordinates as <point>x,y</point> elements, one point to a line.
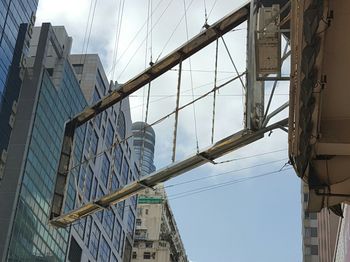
<point>195,44</point>
<point>220,148</point>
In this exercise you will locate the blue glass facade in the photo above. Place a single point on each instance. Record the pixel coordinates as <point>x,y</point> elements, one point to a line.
<point>15,15</point>
<point>32,237</point>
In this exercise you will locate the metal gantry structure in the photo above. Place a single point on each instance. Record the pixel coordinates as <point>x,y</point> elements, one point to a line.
<point>263,37</point>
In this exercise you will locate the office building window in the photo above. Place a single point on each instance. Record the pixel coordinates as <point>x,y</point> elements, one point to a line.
<point>115,182</point>
<point>96,97</point>
<point>105,170</point>
<point>117,235</point>
<point>146,255</point>
<point>125,171</point>
<point>118,158</point>
<point>110,134</point>
<point>131,221</point>
<point>88,183</point>
<point>78,68</point>
<point>100,81</point>
<point>105,251</point>
<point>134,255</point>
<point>108,222</point>
<point>120,208</point>
<point>94,240</point>
<point>121,125</point>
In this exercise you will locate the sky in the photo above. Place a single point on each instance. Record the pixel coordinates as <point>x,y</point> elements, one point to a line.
<point>249,220</point>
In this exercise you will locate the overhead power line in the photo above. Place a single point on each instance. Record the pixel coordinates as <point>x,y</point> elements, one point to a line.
<point>220,185</point>
<point>224,173</point>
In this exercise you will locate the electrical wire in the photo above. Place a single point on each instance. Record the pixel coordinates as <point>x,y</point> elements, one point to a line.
<point>228,183</point>
<point>117,35</point>
<point>135,36</point>
<point>225,173</point>
<point>150,125</point>
<point>173,32</point>
<point>138,48</point>
<point>253,156</point>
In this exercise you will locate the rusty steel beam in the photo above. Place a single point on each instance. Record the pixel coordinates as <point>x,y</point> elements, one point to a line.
<point>204,38</point>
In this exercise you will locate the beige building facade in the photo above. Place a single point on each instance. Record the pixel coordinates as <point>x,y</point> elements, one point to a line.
<point>156,236</point>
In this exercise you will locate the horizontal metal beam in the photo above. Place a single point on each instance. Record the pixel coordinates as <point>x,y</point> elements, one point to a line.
<point>204,38</point>
<point>222,147</point>
<point>191,47</point>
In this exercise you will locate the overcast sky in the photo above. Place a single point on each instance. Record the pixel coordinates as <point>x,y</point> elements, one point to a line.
<point>255,220</point>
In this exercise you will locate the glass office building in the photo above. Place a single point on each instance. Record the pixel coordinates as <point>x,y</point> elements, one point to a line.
<point>52,92</point>
<point>16,19</point>
<point>144,142</point>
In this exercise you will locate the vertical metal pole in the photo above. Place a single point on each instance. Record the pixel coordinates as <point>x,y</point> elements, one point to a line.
<point>254,104</point>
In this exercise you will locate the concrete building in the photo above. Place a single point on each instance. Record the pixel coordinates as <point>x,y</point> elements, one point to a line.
<point>16,21</point>
<point>144,142</point>
<point>156,236</point>
<point>319,231</point>
<point>309,229</point>
<point>51,94</point>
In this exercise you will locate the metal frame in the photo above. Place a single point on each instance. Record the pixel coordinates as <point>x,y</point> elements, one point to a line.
<point>222,147</point>
<point>204,38</point>
<point>255,119</point>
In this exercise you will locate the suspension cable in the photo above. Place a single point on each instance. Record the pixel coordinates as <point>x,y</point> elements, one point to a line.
<point>157,121</point>
<point>191,76</point>
<point>117,35</point>
<point>233,63</point>
<point>214,97</point>
<point>177,110</point>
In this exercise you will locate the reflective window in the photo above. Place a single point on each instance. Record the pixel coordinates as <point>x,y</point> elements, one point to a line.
<point>100,81</point>
<point>96,97</point>
<point>131,221</point>
<point>125,171</point>
<point>105,251</point>
<point>121,125</point>
<point>94,240</point>
<point>110,134</point>
<point>117,235</point>
<point>115,182</point>
<point>118,158</point>
<point>108,222</point>
<point>120,208</point>
<point>78,68</point>
<point>105,170</point>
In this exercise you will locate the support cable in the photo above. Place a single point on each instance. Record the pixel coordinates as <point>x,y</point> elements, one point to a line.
<point>230,172</point>
<point>285,51</point>
<point>138,48</point>
<point>115,62</point>
<point>172,33</point>
<point>220,185</point>
<point>233,63</point>
<point>191,76</point>
<point>155,122</point>
<point>117,35</point>
<point>177,111</point>
<point>214,97</point>
<point>89,36</point>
